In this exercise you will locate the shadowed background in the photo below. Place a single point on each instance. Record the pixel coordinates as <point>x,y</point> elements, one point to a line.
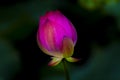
<point>98,27</point>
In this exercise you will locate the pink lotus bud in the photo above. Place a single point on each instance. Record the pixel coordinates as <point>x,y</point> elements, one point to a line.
<point>56,37</point>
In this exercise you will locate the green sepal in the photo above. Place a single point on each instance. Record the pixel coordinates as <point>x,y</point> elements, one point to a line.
<point>71,59</point>
<point>55,61</point>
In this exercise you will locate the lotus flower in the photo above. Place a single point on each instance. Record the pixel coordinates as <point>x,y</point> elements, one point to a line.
<point>56,37</point>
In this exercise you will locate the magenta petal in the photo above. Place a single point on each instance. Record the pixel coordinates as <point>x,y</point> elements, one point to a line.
<point>42,20</point>
<point>53,28</point>
<point>60,19</point>
<point>52,35</point>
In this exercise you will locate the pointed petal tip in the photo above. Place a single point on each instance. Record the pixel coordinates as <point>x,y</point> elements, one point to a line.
<point>71,59</point>
<point>55,61</point>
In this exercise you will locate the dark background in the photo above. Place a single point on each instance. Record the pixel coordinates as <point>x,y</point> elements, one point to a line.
<point>98,27</point>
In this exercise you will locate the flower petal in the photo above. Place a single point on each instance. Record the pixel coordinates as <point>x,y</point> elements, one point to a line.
<point>67,47</point>
<point>71,59</point>
<point>56,54</point>
<point>55,61</point>
<point>58,18</point>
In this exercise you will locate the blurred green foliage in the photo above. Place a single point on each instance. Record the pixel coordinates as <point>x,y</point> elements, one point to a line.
<point>9,61</point>
<point>21,19</point>
<point>111,7</point>
<point>91,4</point>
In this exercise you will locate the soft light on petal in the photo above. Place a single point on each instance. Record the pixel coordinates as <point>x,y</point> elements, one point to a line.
<point>67,47</point>
<point>55,61</point>
<point>56,36</point>
<point>56,54</point>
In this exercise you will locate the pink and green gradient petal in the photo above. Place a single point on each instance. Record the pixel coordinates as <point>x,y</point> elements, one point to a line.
<point>67,47</point>
<point>56,36</point>
<point>71,59</point>
<point>55,61</point>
